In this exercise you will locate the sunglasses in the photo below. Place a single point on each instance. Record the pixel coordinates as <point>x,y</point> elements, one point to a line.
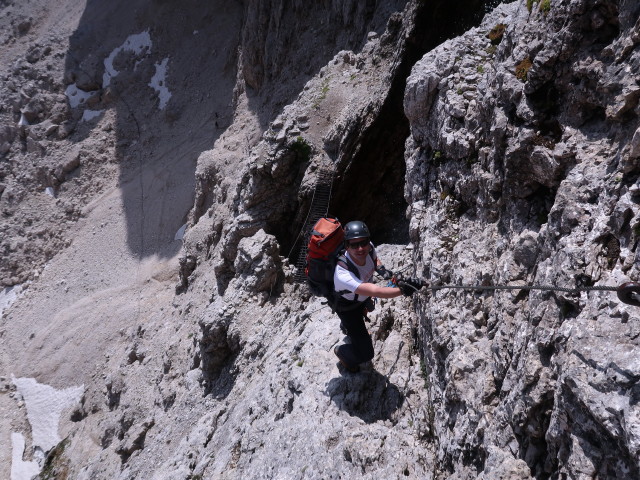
<point>356,245</point>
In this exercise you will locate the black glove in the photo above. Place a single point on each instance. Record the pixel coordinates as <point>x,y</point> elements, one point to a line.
<point>383,272</point>
<point>409,286</point>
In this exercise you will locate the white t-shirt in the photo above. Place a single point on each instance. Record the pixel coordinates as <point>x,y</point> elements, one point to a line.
<point>343,279</point>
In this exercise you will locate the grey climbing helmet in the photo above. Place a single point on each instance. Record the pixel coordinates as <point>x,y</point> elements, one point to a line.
<point>355,229</point>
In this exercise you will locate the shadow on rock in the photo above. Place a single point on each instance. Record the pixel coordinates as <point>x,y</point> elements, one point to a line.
<point>219,383</point>
<point>368,395</point>
<point>167,71</point>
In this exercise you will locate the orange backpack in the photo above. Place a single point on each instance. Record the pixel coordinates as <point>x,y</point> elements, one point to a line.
<point>323,250</point>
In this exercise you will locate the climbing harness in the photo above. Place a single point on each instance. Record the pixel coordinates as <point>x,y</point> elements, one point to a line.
<point>628,292</point>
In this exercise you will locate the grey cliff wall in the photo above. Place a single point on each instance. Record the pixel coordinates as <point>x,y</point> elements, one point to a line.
<point>522,169</point>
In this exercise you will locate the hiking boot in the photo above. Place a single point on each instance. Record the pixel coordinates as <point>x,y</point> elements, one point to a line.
<point>347,367</point>
<point>343,329</point>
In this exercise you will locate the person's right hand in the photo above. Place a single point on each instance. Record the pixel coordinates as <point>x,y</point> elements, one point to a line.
<point>384,273</point>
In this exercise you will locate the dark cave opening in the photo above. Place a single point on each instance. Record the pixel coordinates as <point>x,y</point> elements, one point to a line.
<point>371,188</point>
<point>370,185</point>
<point>370,179</point>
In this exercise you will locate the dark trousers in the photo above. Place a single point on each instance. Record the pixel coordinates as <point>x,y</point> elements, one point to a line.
<point>360,349</point>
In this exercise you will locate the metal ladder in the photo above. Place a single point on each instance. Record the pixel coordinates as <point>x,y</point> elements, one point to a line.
<point>318,209</point>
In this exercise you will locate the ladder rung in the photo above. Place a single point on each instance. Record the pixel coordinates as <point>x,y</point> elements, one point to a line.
<point>318,209</point>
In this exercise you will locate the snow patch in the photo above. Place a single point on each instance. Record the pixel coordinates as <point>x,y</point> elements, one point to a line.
<point>21,470</point>
<point>180,233</point>
<point>158,83</point>
<point>136,43</point>
<point>49,191</point>
<point>8,295</point>
<point>77,96</point>
<point>88,115</point>
<point>44,405</point>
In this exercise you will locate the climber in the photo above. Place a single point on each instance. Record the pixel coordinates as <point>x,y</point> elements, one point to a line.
<point>357,290</point>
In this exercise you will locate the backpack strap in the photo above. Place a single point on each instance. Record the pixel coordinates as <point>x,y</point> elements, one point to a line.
<point>344,262</point>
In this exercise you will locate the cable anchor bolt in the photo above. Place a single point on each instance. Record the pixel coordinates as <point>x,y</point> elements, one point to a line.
<point>629,293</point>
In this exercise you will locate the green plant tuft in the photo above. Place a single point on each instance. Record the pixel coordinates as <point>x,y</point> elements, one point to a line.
<point>56,465</point>
<point>438,158</point>
<point>496,33</point>
<point>324,89</point>
<point>522,69</point>
<point>301,148</point>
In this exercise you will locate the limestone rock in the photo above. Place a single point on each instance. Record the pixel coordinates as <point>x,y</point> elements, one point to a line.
<point>477,162</point>
<point>562,209</point>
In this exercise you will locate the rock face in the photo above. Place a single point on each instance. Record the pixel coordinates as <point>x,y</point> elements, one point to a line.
<point>521,169</point>
<point>506,155</point>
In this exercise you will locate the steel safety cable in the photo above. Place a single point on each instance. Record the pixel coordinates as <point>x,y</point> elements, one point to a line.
<point>524,287</point>
<point>628,292</point>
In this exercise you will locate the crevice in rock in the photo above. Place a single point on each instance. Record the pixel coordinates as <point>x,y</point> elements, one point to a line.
<point>80,412</point>
<point>475,456</point>
<point>219,383</point>
<point>611,249</point>
<point>533,210</point>
<point>218,350</point>
<point>280,221</point>
<point>546,101</point>
<point>168,401</point>
<point>134,440</point>
<point>370,184</point>
<point>453,408</point>
<point>608,455</point>
<point>531,436</point>
<point>370,178</point>
<point>546,352</point>
<point>568,309</point>
<point>386,325</point>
